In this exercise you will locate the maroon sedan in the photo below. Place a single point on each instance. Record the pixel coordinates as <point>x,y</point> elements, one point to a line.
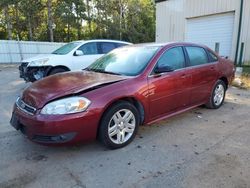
<point>130,86</point>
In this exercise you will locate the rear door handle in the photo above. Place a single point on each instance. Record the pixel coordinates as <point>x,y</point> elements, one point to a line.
<point>212,68</point>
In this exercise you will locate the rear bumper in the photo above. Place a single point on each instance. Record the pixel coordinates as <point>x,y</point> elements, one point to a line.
<point>56,130</point>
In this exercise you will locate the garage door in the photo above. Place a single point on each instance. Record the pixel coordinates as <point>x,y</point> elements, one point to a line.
<point>215,31</point>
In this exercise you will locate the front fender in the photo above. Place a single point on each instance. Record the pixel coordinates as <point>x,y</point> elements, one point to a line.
<point>131,89</point>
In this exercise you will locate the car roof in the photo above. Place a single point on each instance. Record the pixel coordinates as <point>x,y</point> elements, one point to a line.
<point>150,44</point>
<point>155,44</point>
<point>102,40</point>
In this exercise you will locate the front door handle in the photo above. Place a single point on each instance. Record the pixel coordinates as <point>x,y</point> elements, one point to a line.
<point>157,75</point>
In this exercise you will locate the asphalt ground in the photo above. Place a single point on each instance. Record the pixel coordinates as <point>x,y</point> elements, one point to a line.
<point>197,149</point>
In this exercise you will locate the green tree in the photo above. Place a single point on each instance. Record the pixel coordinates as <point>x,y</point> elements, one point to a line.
<point>67,20</point>
<point>32,12</point>
<point>5,6</point>
<point>131,20</point>
<point>50,20</point>
<point>140,21</point>
<point>3,33</point>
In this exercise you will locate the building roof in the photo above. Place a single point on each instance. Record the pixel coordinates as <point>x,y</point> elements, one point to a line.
<point>158,1</point>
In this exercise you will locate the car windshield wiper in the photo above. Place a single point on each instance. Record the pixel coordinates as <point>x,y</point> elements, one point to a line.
<point>87,69</point>
<point>102,71</point>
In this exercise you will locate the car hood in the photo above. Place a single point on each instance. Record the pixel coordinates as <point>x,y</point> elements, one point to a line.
<point>39,57</point>
<point>65,84</point>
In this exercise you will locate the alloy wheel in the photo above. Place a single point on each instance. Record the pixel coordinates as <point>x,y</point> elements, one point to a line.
<point>121,126</point>
<point>219,93</point>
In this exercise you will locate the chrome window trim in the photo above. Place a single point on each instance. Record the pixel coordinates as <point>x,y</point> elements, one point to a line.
<point>202,65</point>
<point>205,50</point>
<point>162,74</point>
<point>22,109</point>
<point>151,74</point>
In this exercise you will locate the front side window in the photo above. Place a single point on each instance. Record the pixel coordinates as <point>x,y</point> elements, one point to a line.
<point>106,47</point>
<point>173,58</point>
<point>89,48</point>
<point>197,55</point>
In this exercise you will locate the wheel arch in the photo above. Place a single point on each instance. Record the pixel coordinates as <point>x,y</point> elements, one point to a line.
<point>138,105</point>
<point>56,67</point>
<point>225,80</point>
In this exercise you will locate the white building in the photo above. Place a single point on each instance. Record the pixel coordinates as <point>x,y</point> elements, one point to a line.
<point>223,25</point>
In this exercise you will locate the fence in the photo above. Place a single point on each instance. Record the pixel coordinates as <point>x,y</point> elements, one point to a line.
<point>14,51</point>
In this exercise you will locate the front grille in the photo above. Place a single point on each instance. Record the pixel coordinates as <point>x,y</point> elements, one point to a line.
<point>25,107</point>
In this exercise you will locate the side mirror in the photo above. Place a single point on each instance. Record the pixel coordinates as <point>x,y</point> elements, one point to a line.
<point>163,69</point>
<point>78,53</point>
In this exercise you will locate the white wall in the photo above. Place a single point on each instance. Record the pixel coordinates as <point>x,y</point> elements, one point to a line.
<point>210,30</point>
<point>13,51</point>
<point>172,16</point>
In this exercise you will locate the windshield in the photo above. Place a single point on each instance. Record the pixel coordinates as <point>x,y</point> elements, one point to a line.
<point>66,48</point>
<point>129,61</point>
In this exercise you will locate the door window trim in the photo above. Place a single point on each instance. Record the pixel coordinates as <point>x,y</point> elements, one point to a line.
<point>188,59</point>
<point>98,52</point>
<point>209,56</point>
<point>151,74</point>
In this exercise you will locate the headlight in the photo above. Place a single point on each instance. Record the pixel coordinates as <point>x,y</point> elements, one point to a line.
<point>66,106</point>
<point>38,62</point>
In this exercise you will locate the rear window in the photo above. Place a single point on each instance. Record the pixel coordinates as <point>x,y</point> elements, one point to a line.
<point>197,55</point>
<point>89,48</point>
<point>106,47</point>
<point>173,58</point>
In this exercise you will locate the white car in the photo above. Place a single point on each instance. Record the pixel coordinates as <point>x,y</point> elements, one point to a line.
<point>73,56</point>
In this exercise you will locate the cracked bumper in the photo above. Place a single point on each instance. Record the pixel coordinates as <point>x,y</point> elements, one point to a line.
<point>28,73</point>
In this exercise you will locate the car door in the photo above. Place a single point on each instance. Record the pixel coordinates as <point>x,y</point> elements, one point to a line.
<point>90,54</point>
<point>169,91</point>
<point>203,73</point>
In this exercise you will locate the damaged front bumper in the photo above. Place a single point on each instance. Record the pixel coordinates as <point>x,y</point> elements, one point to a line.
<point>31,74</point>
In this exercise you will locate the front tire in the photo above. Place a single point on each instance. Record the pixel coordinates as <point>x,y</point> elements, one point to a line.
<point>119,125</point>
<point>218,95</point>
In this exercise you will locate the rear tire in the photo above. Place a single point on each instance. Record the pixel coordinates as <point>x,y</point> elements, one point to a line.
<point>57,70</point>
<point>119,125</point>
<point>218,95</point>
